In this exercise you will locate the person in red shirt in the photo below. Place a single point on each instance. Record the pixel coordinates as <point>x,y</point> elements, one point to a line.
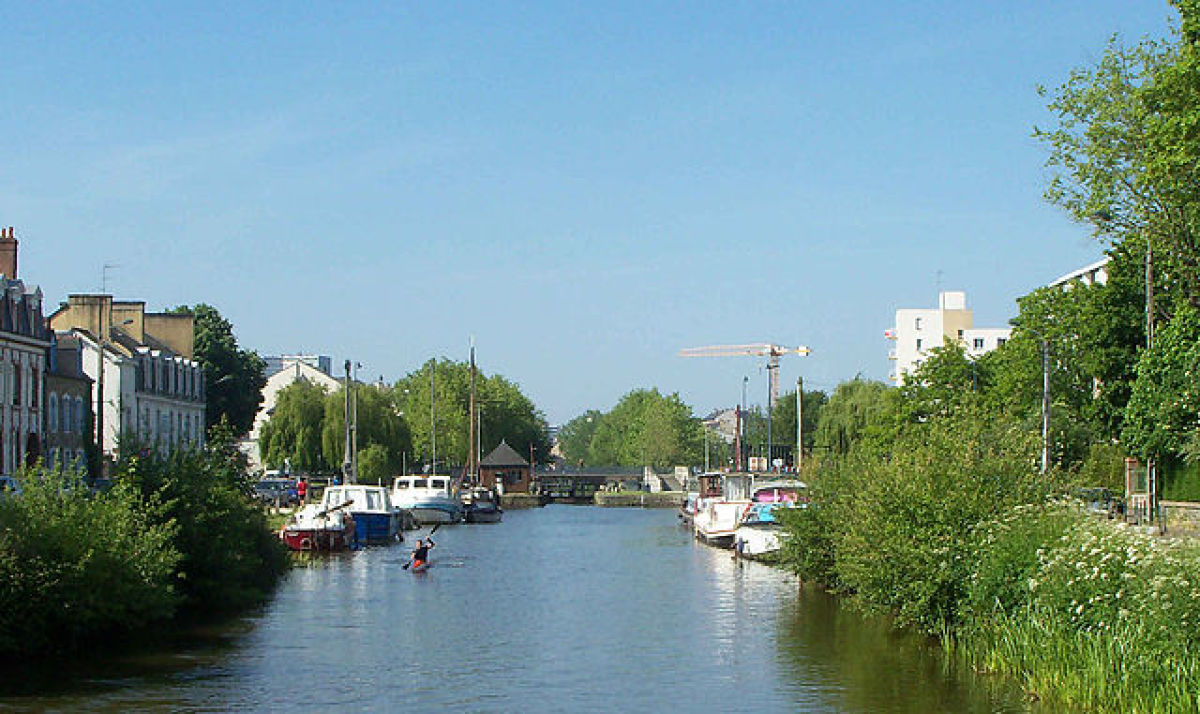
<point>302,490</point>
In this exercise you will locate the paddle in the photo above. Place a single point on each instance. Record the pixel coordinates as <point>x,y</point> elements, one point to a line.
<point>431,532</point>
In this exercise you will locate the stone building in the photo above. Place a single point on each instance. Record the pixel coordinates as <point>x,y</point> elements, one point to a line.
<point>148,387</point>
<point>68,418</point>
<point>24,341</point>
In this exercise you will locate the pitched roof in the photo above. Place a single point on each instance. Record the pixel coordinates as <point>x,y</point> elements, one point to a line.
<point>503,455</point>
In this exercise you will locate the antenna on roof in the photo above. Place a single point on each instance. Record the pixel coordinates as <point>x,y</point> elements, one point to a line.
<point>104,276</point>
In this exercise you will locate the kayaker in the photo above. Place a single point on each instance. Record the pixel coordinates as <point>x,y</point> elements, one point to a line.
<point>420,554</point>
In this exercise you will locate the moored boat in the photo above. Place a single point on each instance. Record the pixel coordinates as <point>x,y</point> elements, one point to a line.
<point>376,520</point>
<point>758,533</point>
<point>319,529</point>
<point>430,499</point>
<point>482,506</point>
<point>717,514</point>
<point>687,509</point>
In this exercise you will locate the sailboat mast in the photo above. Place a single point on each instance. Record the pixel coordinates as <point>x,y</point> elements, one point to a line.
<point>472,457</point>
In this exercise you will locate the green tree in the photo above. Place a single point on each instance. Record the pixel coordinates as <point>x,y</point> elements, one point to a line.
<point>234,378</point>
<point>379,424</point>
<point>1164,409</point>
<point>857,409</point>
<point>647,428</point>
<point>575,437</point>
<point>293,433</point>
<point>505,412</point>
<point>1125,152</point>
<point>783,424</point>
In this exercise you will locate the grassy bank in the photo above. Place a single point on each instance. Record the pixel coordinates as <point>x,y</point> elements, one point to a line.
<point>953,531</point>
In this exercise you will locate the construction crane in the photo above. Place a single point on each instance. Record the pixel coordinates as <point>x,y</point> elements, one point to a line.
<point>760,349</point>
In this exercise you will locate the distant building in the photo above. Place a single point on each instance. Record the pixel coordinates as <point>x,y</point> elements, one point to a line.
<point>276,363</point>
<point>1094,274</point>
<point>152,390</point>
<point>292,370</point>
<point>920,330</point>
<point>24,341</point>
<point>505,470</point>
<point>724,423</point>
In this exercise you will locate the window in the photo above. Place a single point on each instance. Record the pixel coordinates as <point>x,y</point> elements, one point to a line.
<point>1000,341</point>
<point>36,390</point>
<point>918,343</point>
<point>960,334</point>
<point>16,392</point>
<point>68,411</point>
<point>52,414</point>
<point>978,343</point>
<point>918,323</point>
<point>420,483</point>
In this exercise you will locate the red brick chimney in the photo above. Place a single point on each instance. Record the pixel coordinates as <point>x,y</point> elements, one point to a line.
<point>8,253</point>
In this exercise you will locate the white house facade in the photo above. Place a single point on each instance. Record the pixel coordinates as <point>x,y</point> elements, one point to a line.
<point>917,331</point>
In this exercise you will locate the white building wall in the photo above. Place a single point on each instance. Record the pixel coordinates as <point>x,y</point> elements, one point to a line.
<point>920,330</point>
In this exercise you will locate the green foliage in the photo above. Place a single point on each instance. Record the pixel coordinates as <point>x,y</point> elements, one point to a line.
<point>783,422</point>
<point>1104,466</point>
<point>858,409</point>
<point>375,465</point>
<point>645,428</point>
<point>74,569</point>
<point>505,412</point>
<point>293,433</point>
<point>229,558</point>
<point>379,425</point>
<point>234,378</point>
<point>575,437</point>
<point>906,521</point>
<point>1164,408</point>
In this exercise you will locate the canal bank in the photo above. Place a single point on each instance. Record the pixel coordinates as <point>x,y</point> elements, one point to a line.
<point>639,499</point>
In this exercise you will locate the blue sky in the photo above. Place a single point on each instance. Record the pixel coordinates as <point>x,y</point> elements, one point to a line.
<point>585,189</point>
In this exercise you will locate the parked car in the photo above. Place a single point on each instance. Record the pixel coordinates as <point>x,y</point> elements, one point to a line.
<point>277,491</point>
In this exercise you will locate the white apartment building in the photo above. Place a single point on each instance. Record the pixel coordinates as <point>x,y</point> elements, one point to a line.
<point>291,370</point>
<point>920,330</point>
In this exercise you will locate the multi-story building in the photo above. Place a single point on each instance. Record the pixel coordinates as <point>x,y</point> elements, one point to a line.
<point>68,402</point>
<point>1094,274</point>
<point>148,386</point>
<point>24,340</point>
<point>920,330</point>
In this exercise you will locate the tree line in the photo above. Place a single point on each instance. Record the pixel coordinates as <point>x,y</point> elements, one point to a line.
<point>397,427</point>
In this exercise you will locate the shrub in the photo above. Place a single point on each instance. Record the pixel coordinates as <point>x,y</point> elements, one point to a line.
<point>74,568</point>
<point>229,557</point>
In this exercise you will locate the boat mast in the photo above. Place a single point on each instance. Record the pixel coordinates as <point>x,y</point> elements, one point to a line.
<point>472,462</point>
<point>432,420</point>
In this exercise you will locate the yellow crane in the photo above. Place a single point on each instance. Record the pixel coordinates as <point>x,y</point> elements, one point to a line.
<point>758,349</point>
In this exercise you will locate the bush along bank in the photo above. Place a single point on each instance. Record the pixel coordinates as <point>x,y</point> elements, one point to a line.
<point>948,525</point>
<point>174,536</point>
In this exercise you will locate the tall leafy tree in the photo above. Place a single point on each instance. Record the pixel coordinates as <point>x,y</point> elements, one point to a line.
<point>505,412</point>
<point>857,409</point>
<point>379,425</point>
<point>647,428</point>
<point>575,437</point>
<point>234,378</point>
<point>293,433</point>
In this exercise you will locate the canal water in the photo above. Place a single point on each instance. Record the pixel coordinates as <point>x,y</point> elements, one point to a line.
<point>559,609</point>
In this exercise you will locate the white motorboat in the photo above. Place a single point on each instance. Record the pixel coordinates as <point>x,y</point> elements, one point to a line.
<point>430,499</point>
<point>717,515</point>
<point>758,533</point>
<point>482,506</point>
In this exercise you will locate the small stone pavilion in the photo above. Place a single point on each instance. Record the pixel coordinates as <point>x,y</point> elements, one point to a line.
<point>505,470</point>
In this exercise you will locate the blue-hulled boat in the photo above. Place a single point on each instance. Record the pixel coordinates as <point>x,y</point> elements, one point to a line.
<point>376,520</point>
